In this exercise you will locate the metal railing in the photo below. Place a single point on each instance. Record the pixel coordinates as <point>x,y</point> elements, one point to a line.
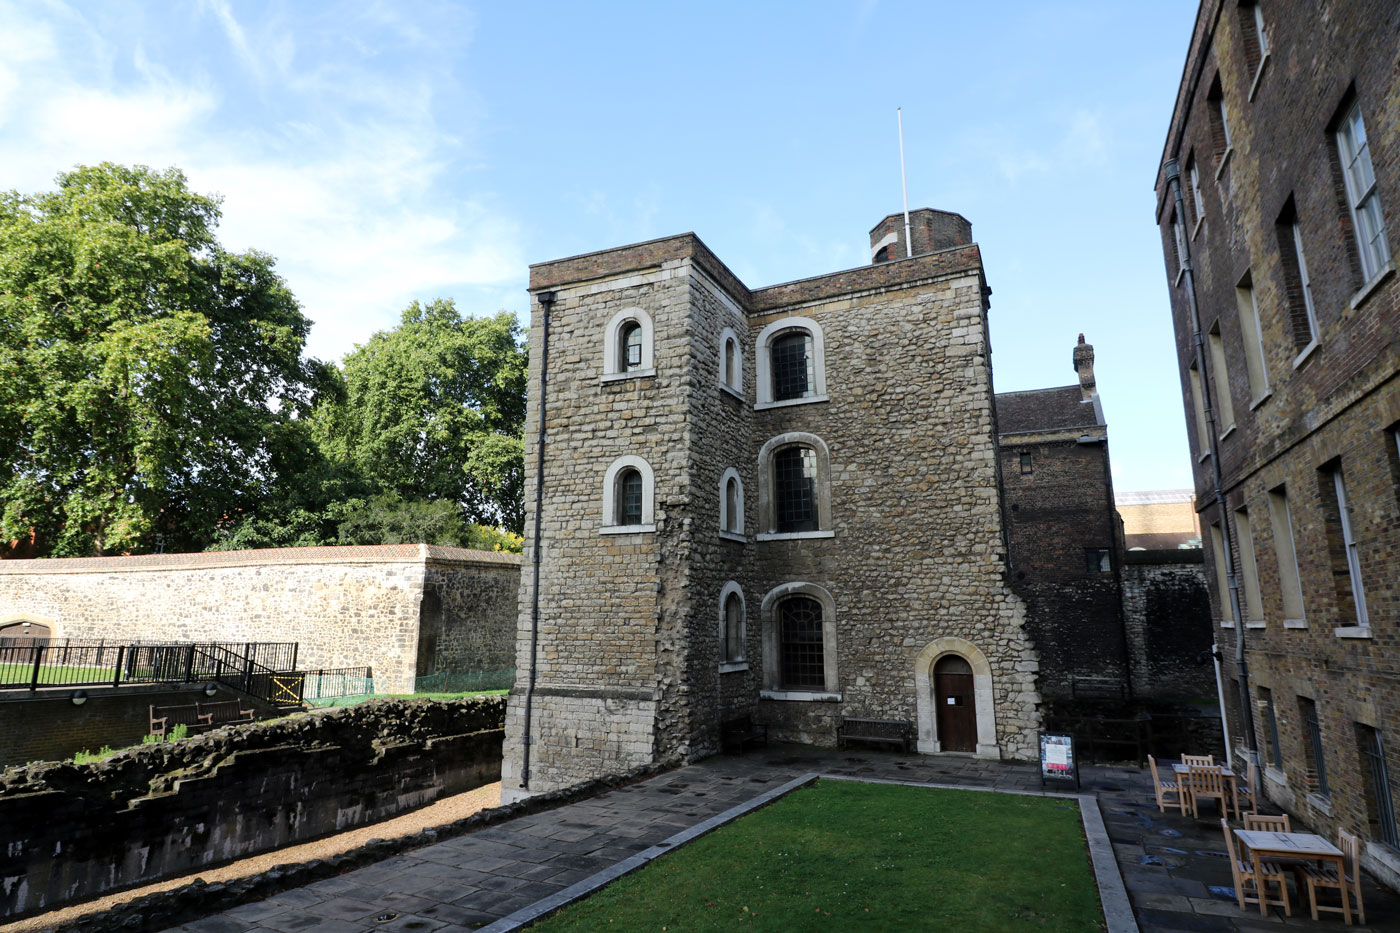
<point>266,670</point>
<point>336,683</point>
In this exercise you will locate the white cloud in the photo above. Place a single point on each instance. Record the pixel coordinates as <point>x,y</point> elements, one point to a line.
<point>335,165</point>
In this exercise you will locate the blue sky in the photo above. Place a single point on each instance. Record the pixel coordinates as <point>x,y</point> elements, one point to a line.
<point>391,151</point>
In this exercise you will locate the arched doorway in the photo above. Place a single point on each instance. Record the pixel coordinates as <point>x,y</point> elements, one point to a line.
<point>956,705</point>
<point>931,697</point>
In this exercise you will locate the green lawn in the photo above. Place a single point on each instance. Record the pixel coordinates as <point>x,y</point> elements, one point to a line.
<point>51,674</point>
<point>843,856</point>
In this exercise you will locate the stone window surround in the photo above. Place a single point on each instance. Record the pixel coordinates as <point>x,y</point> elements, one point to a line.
<point>771,648</point>
<point>725,336</point>
<point>610,526</point>
<point>982,697</point>
<point>737,534</point>
<point>766,519</point>
<point>613,368</point>
<point>763,363</point>
<point>742,664</point>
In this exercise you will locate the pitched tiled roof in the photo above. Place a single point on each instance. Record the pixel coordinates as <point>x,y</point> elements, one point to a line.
<point>1057,409</point>
<point>345,554</point>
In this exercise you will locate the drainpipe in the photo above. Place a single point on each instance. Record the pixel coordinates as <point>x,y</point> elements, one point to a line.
<point>546,300</point>
<point>1173,175</point>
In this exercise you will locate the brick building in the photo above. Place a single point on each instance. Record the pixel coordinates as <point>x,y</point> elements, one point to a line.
<point>1159,519</point>
<point>780,502</point>
<point>1107,627</point>
<point>1277,207</point>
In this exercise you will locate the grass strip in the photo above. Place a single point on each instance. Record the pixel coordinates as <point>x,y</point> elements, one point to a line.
<point>842,855</point>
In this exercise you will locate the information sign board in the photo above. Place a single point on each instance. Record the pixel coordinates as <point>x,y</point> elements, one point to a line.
<point>1058,764</point>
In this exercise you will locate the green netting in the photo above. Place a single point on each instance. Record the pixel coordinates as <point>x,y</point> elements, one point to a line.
<point>465,682</point>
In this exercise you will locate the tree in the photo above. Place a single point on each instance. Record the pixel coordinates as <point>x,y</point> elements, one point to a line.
<point>434,410</point>
<point>150,381</point>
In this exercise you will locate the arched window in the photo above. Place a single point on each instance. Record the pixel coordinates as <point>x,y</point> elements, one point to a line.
<point>628,346</point>
<point>791,359</point>
<point>799,643</point>
<point>732,630</point>
<point>731,505</point>
<point>794,494</point>
<point>628,493</point>
<point>731,362</point>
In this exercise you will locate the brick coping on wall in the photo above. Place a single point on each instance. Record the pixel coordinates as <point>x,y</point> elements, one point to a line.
<point>204,560</point>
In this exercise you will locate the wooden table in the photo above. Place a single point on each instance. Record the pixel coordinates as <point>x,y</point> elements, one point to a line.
<point>1264,845</point>
<point>1183,783</point>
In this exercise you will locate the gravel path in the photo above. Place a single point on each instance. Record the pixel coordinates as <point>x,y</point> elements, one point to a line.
<point>440,813</point>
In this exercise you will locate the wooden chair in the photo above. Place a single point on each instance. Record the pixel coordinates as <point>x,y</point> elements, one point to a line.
<point>1325,876</point>
<point>1242,870</point>
<point>1250,789</point>
<point>1168,792</point>
<point>1266,824</point>
<point>1207,782</point>
<point>1206,760</point>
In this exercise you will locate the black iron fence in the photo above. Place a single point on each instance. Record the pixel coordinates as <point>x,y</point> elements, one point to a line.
<point>266,670</point>
<point>337,683</point>
<point>1163,735</point>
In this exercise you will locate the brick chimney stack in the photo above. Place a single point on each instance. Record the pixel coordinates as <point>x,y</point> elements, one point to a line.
<point>930,230</point>
<point>1084,366</point>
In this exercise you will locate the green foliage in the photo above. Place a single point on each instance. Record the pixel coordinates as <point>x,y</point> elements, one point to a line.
<point>87,756</point>
<point>433,410</point>
<point>150,381</point>
<point>849,856</point>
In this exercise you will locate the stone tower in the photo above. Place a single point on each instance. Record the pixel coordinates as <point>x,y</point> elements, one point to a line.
<point>779,502</point>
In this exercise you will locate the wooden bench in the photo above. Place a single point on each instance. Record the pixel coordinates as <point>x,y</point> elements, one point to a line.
<point>893,732</point>
<point>197,717</point>
<point>737,734</point>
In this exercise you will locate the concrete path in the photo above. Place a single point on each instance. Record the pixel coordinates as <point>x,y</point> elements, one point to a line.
<point>1173,868</point>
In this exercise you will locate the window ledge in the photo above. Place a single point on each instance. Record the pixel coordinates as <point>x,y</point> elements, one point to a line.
<point>626,529</point>
<point>1353,631</point>
<point>1203,457</point>
<point>1227,623</point>
<point>734,536</point>
<point>1224,161</point>
<point>1384,854</point>
<point>805,400</point>
<point>810,696</point>
<point>1256,624</point>
<point>1228,431</point>
<point>1268,394</point>
<point>1180,271</point>
<point>729,667</point>
<point>1200,222</point>
<point>1258,74</point>
<point>630,374</point>
<point>1295,623</point>
<point>723,387</point>
<point>1366,290</point>
<point>1275,776</point>
<point>794,535</point>
<point>1319,803</point>
<point>1306,353</point>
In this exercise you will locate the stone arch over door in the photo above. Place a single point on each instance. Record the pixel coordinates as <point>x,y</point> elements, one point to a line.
<point>982,693</point>
<point>26,629</point>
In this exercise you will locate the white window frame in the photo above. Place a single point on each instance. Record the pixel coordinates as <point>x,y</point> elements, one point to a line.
<point>763,366</point>
<point>767,513</point>
<point>1194,170</point>
<point>1358,591</point>
<point>772,647</point>
<point>1222,576</point>
<point>1263,34</point>
<point>1255,356</point>
<point>1249,571</point>
<point>1199,405</point>
<point>736,386</point>
<point>1306,283</point>
<point>614,366</point>
<point>1179,234</point>
<point>610,525</point>
<point>741,663</point>
<point>1363,200</point>
<point>1286,552</point>
<point>735,533</point>
<point>1220,375</point>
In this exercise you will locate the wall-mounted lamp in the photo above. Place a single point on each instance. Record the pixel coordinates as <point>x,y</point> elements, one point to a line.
<point>79,697</point>
<point>211,689</point>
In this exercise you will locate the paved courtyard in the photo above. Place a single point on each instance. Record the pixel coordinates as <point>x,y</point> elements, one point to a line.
<point>1174,868</point>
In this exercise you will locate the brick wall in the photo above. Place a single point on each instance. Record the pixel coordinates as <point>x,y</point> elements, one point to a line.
<point>344,606</point>
<point>1167,617</point>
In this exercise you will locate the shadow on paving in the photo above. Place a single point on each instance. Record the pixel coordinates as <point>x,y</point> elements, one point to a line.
<point>1174,868</point>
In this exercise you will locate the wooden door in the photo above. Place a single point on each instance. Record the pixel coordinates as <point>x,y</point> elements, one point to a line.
<point>952,695</point>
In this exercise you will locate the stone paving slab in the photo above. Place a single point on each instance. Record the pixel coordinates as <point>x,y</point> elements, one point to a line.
<point>1173,874</point>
